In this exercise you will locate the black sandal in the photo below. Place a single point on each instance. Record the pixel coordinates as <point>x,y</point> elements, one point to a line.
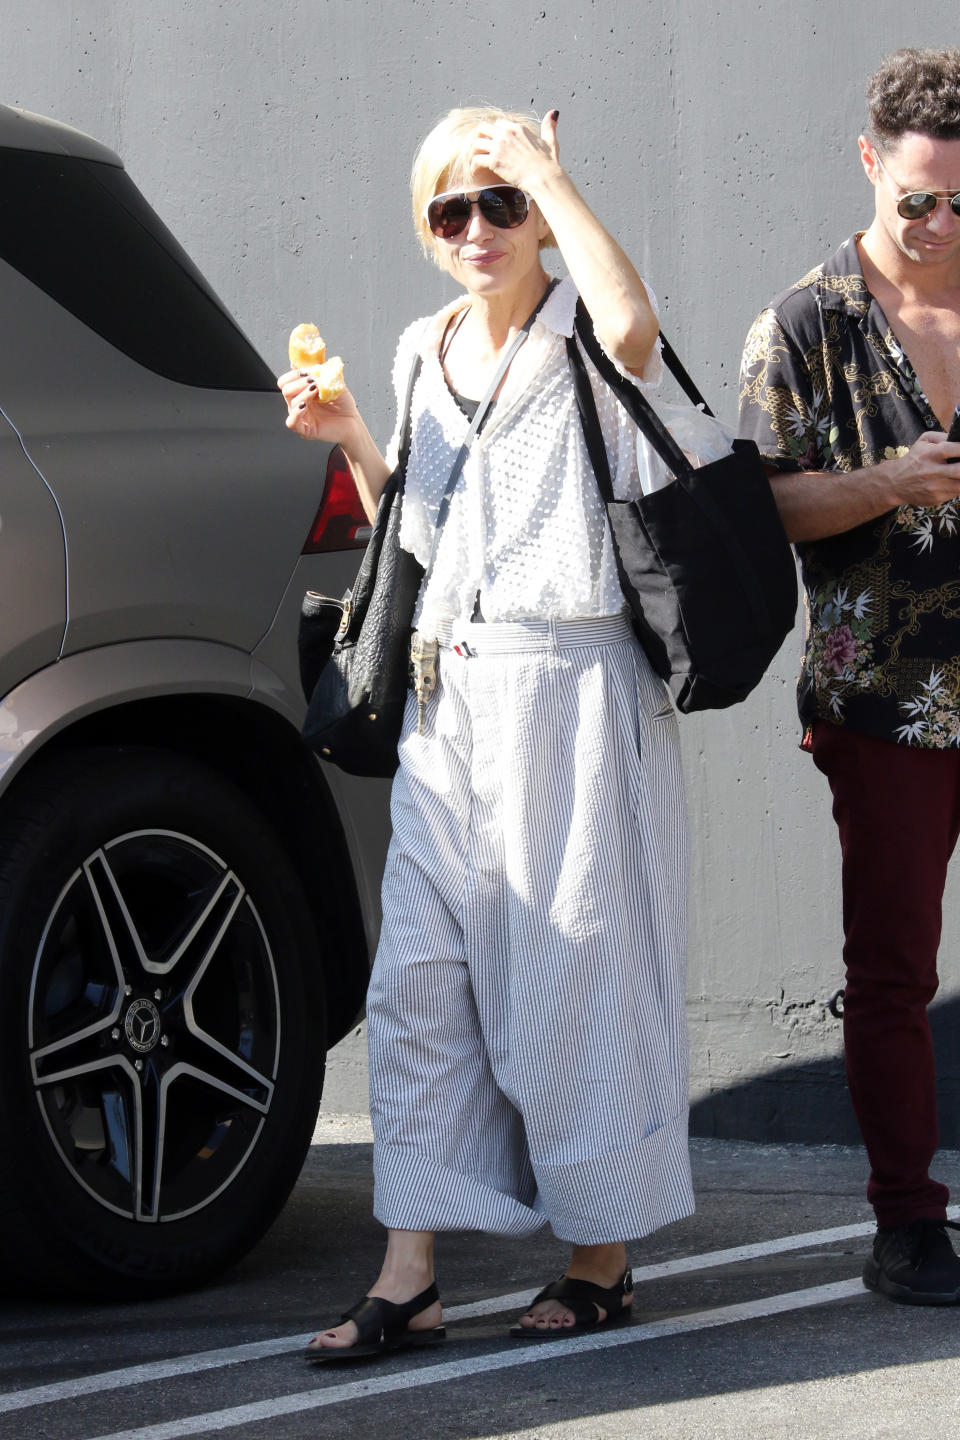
<point>382,1327</point>
<point>586,1300</point>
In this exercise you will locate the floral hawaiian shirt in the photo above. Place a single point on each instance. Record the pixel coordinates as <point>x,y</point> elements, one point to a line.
<point>824,385</point>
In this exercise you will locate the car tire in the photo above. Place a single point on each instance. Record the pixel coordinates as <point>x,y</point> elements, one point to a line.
<point>162,1034</point>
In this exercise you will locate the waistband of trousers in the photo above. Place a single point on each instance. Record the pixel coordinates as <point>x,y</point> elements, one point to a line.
<point>517,637</point>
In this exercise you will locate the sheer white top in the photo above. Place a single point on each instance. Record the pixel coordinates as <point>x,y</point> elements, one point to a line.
<point>526,526</point>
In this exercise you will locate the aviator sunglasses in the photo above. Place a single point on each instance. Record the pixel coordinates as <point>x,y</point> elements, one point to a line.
<point>914,204</point>
<point>504,206</point>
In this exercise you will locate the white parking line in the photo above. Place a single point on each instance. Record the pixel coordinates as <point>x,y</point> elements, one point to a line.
<point>522,1353</point>
<point>177,1365</point>
<point>148,1373</point>
<point>709,1260</point>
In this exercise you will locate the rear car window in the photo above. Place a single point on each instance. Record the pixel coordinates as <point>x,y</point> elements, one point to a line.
<point>82,231</point>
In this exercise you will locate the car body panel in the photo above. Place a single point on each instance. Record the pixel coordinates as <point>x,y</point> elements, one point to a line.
<point>58,696</point>
<point>32,620</point>
<point>364,805</point>
<point>172,453</point>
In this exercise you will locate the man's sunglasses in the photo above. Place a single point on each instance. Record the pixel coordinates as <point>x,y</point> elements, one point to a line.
<point>914,204</point>
<point>504,206</point>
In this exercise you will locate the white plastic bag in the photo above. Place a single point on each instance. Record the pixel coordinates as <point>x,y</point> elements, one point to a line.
<point>702,438</point>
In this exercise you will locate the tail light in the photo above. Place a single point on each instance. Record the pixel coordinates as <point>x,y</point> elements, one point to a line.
<point>341,522</point>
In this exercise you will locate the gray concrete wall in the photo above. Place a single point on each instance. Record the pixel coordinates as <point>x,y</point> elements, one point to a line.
<point>717,140</point>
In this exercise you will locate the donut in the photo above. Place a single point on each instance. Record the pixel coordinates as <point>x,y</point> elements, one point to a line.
<point>308,352</point>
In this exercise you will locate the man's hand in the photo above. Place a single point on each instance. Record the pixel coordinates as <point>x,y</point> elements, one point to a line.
<point>924,475</point>
<point>816,504</point>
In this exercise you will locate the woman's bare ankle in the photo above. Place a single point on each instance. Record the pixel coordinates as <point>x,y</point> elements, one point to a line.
<point>603,1264</point>
<point>400,1284</point>
<point>407,1268</point>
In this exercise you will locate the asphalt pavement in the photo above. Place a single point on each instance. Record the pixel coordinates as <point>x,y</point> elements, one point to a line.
<point>750,1319</point>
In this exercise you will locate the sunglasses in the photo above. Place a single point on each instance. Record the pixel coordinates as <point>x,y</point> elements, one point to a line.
<point>504,206</point>
<point>914,204</point>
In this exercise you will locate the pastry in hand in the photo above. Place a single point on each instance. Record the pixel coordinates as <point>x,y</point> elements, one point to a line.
<point>308,352</point>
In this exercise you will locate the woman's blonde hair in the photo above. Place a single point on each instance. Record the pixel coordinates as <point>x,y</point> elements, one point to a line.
<point>442,162</point>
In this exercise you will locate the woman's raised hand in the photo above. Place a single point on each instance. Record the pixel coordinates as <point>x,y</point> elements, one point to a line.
<point>608,282</point>
<point>517,156</point>
<point>329,420</point>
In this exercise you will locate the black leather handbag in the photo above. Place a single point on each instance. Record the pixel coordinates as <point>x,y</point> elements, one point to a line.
<point>355,652</point>
<point>705,564</point>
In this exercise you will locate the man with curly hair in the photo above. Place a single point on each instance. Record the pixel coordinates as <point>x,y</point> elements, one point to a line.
<point>849,382</point>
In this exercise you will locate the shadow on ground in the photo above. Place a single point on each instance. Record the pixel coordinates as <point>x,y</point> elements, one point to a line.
<point>810,1104</point>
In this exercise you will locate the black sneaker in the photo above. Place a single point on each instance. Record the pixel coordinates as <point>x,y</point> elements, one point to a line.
<point>915,1263</point>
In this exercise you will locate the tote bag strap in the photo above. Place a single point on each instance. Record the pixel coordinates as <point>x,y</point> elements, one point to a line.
<point>643,415</point>
<point>590,421</point>
<point>677,369</point>
<point>653,428</point>
<point>679,373</point>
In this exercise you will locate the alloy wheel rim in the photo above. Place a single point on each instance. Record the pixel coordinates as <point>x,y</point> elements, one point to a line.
<point>154,1025</point>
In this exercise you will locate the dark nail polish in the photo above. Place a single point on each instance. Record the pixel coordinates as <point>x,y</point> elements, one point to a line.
<point>303,404</point>
<point>556,114</point>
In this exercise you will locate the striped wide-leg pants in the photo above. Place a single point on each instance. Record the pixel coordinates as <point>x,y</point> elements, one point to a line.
<point>528,1051</point>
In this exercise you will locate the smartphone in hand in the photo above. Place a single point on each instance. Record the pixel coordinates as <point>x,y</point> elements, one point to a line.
<point>954,432</point>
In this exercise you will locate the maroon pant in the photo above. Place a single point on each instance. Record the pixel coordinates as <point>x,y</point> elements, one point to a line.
<point>898,811</point>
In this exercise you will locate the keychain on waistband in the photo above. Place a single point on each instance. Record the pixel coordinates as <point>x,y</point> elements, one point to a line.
<point>424,660</point>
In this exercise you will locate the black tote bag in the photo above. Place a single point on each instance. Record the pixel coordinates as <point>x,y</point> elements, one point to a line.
<point>704,563</point>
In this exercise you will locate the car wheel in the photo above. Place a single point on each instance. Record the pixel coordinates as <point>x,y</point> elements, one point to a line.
<point>161,1024</point>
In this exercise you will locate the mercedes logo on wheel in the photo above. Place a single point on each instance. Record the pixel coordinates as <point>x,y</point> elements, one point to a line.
<point>142,1025</point>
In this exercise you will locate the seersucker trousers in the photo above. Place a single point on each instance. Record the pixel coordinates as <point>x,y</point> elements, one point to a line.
<point>528,1049</point>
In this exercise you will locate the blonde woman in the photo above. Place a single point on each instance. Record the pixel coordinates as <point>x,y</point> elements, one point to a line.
<point>528,1055</point>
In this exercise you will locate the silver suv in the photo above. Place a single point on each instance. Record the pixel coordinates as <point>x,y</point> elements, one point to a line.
<point>187,899</point>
